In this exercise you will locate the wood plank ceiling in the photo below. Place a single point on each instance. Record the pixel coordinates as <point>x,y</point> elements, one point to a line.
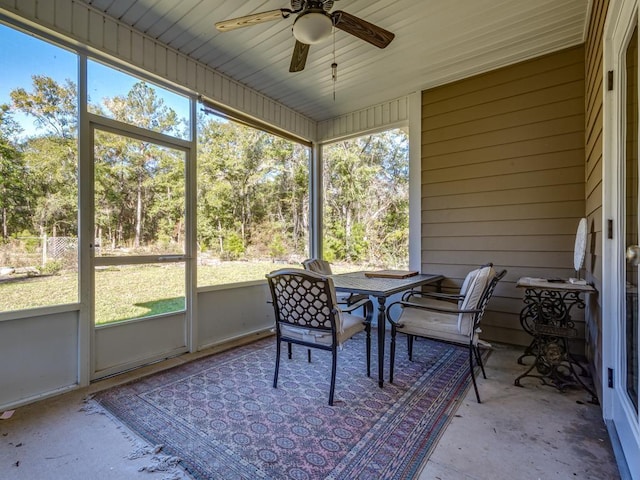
<point>437,41</point>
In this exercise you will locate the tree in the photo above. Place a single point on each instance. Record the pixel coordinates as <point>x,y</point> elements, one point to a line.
<point>251,185</point>
<point>366,199</point>
<point>348,181</point>
<point>232,166</point>
<point>13,175</point>
<point>51,156</point>
<point>53,105</point>
<point>141,183</point>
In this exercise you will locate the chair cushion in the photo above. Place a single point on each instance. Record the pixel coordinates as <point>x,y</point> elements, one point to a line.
<point>473,295</point>
<point>441,326</point>
<point>468,280</point>
<point>351,324</point>
<point>445,304</point>
<point>432,302</point>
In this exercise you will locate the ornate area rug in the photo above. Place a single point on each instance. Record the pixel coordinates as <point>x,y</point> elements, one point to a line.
<point>222,418</point>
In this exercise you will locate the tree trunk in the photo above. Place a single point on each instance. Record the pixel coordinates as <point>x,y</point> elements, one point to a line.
<point>220,237</point>
<point>347,232</point>
<point>136,242</point>
<point>243,219</point>
<point>5,228</point>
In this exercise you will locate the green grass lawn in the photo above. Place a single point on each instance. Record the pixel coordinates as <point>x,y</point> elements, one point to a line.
<point>128,291</point>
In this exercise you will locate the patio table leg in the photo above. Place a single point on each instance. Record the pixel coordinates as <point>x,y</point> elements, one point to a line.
<point>381,334</point>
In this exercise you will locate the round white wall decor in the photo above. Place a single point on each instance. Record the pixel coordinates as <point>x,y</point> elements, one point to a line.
<point>581,245</point>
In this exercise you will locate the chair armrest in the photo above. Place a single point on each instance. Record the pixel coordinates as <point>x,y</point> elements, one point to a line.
<point>356,297</point>
<point>453,297</point>
<point>429,308</point>
<point>365,302</point>
<point>432,308</point>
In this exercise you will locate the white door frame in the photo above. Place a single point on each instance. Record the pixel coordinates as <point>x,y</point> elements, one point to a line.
<point>129,344</point>
<point>617,410</point>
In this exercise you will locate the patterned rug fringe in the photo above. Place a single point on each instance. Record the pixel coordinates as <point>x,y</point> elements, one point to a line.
<point>161,463</point>
<point>144,450</point>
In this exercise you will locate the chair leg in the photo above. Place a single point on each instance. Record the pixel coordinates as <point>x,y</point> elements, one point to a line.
<point>473,375</point>
<point>334,362</point>
<point>275,374</point>
<point>288,349</point>
<point>392,352</point>
<point>308,355</point>
<point>479,360</point>
<point>368,330</point>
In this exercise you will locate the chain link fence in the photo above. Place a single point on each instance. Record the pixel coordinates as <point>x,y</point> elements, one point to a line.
<point>39,253</point>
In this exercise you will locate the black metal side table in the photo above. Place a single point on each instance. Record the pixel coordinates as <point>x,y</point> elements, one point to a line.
<point>546,316</point>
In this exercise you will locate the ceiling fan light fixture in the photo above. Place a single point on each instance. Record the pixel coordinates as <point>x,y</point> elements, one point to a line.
<point>312,27</point>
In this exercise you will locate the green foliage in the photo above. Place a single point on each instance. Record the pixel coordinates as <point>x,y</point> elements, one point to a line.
<point>164,241</point>
<point>357,244</point>
<point>233,246</point>
<point>327,253</point>
<point>14,194</point>
<point>30,245</point>
<point>50,158</point>
<point>53,106</point>
<point>51,267</point>
<point>366,187</point>
<point>253,184</point>
<point>141,185</point>
<point>252,190</point>
<point>276,248</point>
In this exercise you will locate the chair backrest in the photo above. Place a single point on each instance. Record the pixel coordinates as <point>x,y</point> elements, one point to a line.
<point>481,305</point>
<point>304,299</point>
<point>318,266</point>
<point>476,284</point>
<point>468,280</point>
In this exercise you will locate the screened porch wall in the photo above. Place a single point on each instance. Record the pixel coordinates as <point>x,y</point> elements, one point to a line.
<point>503,178</point>
<point>110,39</point>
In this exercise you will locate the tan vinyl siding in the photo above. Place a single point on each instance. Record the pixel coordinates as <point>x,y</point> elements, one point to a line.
<point>503,178</point>
<point>593,179</point>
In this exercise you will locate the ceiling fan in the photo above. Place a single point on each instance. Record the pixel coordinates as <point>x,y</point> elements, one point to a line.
<point>312,25</point>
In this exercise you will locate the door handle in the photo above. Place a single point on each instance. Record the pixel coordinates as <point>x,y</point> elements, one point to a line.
<point>633,254</point>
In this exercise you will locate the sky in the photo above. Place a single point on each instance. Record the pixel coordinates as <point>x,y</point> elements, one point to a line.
<point>22,55</point>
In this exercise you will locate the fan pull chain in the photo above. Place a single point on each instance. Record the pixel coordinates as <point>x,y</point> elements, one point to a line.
<point>334,77</point>
<point>334,66</point>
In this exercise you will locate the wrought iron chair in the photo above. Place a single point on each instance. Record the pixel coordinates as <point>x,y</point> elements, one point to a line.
<point>323,267</point>
<point>317,265</point>
<point>307,314</point>
<point>446,317</point>
<point>440,299</point>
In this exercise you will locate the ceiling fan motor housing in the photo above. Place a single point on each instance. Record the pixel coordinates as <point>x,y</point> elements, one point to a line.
<point>298,5</point>
<point>312,26</point>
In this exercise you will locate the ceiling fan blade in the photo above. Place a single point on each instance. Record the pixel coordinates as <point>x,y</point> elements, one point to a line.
<point>299,57</point>
<point>248,20</point>
<point>362,29</point>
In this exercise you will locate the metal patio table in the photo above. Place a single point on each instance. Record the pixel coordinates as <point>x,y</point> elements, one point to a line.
<point>382,288</point>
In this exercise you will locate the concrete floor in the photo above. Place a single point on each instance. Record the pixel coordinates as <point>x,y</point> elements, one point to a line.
<point>526,433</point>
<point>530,432</point>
